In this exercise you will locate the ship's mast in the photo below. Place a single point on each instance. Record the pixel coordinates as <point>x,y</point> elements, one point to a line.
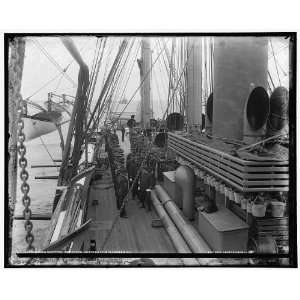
<point>145,89</point>
<point>16,63</point>
<point>194,84</point>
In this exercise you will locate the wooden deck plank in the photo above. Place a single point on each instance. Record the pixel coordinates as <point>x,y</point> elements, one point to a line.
<point>132,234</point>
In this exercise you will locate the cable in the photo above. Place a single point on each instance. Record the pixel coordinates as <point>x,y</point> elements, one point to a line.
<point>129,76</point>
<point>102,98</point>
<point>95,77</point>
<point>53,61</point>
<point>182,72</point>
<point>120,78</point>
<point>59,82</point>
<point>139,85</point>
<point>49,153</point>
<point>157,86</point>
<point>55,77</point>
<point>170,67</point>
<point>47,83</point>
<point>271,79</point>
<point>165,83</point>
<point>275,62</point>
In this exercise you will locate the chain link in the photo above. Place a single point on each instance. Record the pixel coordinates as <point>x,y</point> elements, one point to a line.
<point>25,188</point>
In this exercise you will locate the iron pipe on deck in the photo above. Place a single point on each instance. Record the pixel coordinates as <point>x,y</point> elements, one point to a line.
<point>175,236</point>
<point>189,233</point>
<point>177,240</point>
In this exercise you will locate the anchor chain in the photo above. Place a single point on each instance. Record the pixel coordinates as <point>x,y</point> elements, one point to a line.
<point>25,188</point>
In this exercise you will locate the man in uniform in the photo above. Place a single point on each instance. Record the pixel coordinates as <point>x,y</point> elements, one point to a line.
<point>123,132</point>
<point>121,192</point>
<point>147,182</point>
<point>132,170</point>
<point>131,122</point>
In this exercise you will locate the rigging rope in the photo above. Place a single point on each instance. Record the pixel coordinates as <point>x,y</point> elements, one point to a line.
<point>270,77</point>
<point>170,67</point>
<point>129,76</point>
<point>165,83</point>
<point>55,77</point>
<point>113,107</point>
<point>47,83</point>
<point>96,53</point>
<point>45,146</point>
<point>59,82</point>
<point>182,72</point>
<point>53,61</point>
<point>94,78</point>
<point>102,98</point>
<point>106,98</point>
<point>158,92</point>
<point>141,83</point>
<point>117,82</point>
<point>275,62</point>
<point>106,65</point>
<point>110,107</point>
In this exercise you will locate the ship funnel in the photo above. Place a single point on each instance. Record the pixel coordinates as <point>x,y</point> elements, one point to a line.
<point>209,114</point>
<point>185,180</point>
<point>278,118</point>
<point>239,62</point>
<point>256,113</point>
<point>175,121</point>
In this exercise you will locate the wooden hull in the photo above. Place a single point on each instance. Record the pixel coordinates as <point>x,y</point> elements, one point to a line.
<point>34,128</point>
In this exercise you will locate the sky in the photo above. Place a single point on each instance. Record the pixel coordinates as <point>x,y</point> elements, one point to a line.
<point>39,70</point>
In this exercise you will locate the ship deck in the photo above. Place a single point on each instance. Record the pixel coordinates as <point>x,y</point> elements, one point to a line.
<point>132,234</point>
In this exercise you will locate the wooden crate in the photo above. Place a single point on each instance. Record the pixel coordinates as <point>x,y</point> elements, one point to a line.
<point>223,231</point>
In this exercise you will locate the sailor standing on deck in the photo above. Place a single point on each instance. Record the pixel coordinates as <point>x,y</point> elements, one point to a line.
<point>147,182</point>
<point>115,137</point>
<point>121,192</point>
<point>131,123</point>
<point>132,170</point>
<point>123,132</point>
